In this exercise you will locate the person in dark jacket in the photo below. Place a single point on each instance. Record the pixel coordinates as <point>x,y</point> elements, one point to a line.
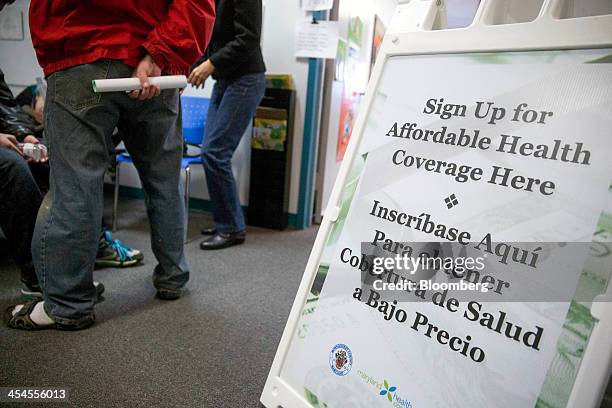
<point>16,122</point>
<point>234,60</point>
<point>75,44</point>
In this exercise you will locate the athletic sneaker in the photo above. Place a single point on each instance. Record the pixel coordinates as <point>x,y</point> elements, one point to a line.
<point>34,292</point>
<point>31,291</point>
<point>114,253</point>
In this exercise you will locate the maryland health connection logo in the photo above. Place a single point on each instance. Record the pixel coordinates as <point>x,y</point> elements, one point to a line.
<point>388,390</point>
<point>341,359</point>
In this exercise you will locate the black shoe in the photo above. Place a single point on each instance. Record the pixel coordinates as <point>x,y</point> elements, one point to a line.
<point>220,240</point>
<point>169,294</point>
<point>209,231</point>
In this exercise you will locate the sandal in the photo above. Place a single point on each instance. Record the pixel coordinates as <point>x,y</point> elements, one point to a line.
<point>21,320</point>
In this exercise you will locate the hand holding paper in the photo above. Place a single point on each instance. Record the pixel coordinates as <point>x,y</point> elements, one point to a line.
<point>146,82</point>
<point>146,68</point>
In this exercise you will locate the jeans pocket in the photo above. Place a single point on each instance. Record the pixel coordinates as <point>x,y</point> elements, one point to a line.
<point>73,86</point>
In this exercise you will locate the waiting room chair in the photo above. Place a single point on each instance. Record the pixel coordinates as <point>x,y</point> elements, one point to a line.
<point>194,112</point>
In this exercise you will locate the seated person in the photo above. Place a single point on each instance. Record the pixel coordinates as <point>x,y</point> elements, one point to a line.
<point>20,199</point>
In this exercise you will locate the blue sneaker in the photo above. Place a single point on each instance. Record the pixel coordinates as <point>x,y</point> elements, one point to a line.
<point>115,254</point>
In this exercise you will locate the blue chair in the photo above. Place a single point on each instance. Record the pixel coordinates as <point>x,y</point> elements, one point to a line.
<point>194,112</point>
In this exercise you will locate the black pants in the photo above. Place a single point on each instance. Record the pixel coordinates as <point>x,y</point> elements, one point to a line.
<point>20,199</point>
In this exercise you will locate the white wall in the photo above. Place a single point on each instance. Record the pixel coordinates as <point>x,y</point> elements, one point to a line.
<point>18,61</point>
<point>17,58</point>
<point>280,21</point>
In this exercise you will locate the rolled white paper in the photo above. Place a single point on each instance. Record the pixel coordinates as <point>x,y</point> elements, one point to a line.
<point>130,84</point>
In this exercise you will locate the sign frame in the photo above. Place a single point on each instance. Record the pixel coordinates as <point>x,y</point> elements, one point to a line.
<point>414,30</point>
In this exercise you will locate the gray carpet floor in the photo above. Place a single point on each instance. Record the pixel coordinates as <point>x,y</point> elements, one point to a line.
<point>211,348</point>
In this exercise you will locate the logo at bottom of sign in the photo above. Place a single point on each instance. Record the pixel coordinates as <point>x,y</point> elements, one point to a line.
<point>341,359</point>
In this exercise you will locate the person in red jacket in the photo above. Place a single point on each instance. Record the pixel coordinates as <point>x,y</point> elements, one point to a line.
<point>77,42</point>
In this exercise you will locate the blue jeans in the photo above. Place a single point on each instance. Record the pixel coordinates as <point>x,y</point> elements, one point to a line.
<point>20,199</point>
<point>79,124</point>
<point>232,107</point>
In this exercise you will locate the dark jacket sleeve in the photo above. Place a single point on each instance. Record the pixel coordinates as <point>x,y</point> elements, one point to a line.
<point>247,34</point>
<point>13,120</point>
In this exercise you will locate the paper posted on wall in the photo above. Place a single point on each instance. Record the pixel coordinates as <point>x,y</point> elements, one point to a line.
<point>316,40</point>
<point>317,5</point>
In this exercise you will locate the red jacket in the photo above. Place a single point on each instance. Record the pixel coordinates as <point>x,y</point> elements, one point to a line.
<point>66,33</point>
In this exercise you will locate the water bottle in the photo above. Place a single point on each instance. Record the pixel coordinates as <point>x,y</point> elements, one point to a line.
<point>36,151</point>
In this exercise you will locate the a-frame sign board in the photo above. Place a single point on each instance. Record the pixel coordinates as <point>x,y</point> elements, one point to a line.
<point>490,142</point>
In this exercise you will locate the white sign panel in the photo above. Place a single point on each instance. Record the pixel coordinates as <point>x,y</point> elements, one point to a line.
<point>317,40</point>
<point>506,156</point>
<point>317,5</point>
